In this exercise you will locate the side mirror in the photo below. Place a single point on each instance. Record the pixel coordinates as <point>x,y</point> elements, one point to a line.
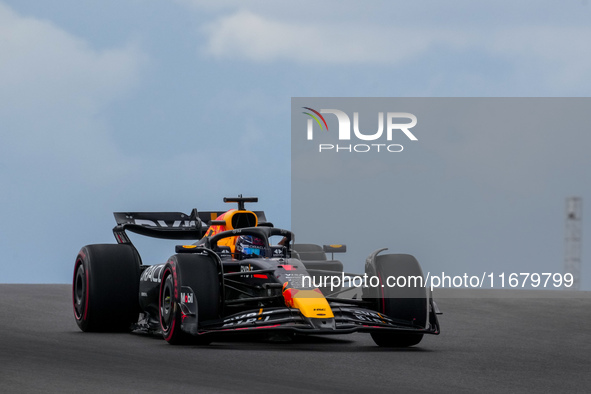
<point>332,249</point>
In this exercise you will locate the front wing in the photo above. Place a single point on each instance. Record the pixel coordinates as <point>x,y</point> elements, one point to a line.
<point>347,319</point>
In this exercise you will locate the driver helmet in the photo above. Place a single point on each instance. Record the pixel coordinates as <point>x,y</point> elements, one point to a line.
<point>250,246</point>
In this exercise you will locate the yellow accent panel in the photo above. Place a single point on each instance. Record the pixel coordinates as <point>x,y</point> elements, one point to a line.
<point>227,217</point>
<point>189,246</point>
<point>230,214</point>
<point>229,241</point>
<point>312,304</point>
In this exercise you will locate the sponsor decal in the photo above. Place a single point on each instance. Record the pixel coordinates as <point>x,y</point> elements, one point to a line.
<point>245,268</point>
<point>295,280</point>
<point>152,274</point>
<point>163,224</point>
<point>247,318</point>
<point>369,316</point>
<point>187,298</point>
<point>278,252</point>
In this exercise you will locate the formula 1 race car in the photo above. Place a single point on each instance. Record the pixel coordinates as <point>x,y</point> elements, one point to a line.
<point>242,275</point>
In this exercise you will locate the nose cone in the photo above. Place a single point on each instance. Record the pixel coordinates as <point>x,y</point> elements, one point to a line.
<point>311,303</point>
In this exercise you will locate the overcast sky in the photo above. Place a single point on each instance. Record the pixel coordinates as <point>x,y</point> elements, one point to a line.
<point>169,105</point>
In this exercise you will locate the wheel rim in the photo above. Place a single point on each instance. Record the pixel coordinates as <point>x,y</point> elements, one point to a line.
<point>79,292</point>
<point>166,304</point>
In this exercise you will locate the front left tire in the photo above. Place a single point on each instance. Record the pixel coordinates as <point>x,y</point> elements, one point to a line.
<point>105,287</point>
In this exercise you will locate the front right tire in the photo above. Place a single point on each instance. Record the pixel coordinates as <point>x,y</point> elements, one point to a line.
<point>408,304</point>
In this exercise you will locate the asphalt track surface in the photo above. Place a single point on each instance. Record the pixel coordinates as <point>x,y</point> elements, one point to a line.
<point>487,345</point>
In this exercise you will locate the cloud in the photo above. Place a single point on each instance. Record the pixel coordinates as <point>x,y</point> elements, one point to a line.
<point>257,38</point>
<point>38,56</point>
<point>557,51</point>
<point>53,86</point>
<point>544,50</point>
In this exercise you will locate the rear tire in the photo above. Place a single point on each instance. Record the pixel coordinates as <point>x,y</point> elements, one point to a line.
<point>406,304</point>
<point>105,287</point>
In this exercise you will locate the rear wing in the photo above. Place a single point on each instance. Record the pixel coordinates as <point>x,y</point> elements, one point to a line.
<point>167,225</point>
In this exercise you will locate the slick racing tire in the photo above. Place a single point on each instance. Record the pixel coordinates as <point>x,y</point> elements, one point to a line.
<point>402,339</point>
<point>408,305</point>
<point>105,287</point>
<point>199,273</point>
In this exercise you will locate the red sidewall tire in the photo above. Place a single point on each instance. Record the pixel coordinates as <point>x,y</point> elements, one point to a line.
<point>169,313</point>
<point>80,292</point>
